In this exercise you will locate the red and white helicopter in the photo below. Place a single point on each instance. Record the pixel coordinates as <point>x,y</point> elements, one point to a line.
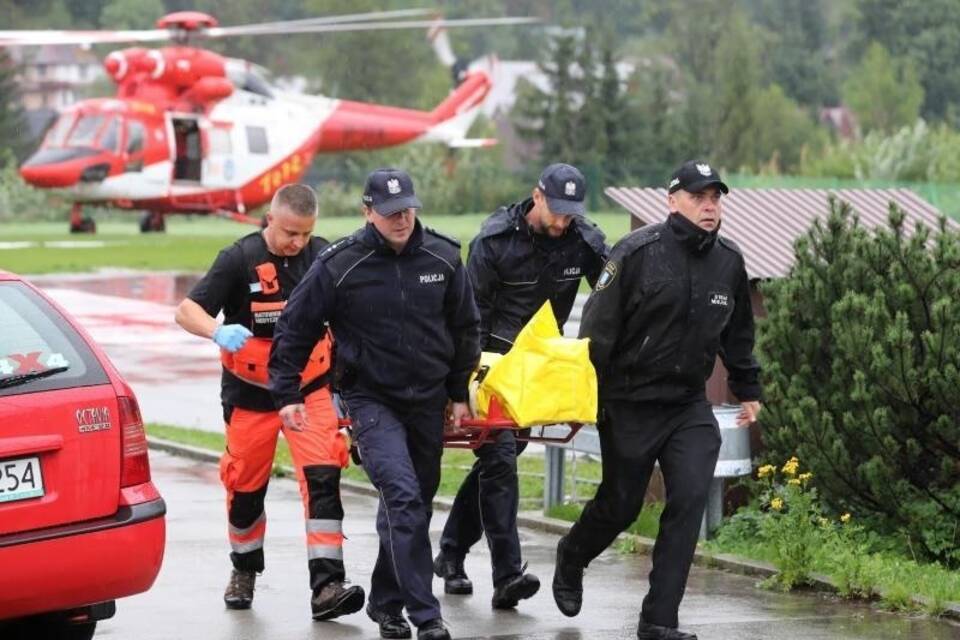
<point>191,131</point>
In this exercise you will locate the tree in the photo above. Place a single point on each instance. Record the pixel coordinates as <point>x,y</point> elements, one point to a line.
<point>131,14</point>
<point>861,356</point>
<point>13,129</point>
<point>782,130</point>
<point>548,118</point>
<point>928,33</point>
<point>884,92</point>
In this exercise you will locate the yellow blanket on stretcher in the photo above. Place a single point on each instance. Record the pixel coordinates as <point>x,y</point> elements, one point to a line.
<point>544,378</point>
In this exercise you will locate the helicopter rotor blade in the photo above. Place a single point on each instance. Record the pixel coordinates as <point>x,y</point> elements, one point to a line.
<point>27,37</point>
<point>271,27</point>
<point>85,38</point>
<point>388,26</point>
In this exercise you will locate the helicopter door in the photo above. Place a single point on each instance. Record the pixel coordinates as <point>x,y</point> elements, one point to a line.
<point>218,166</point>
<point>188,161</point>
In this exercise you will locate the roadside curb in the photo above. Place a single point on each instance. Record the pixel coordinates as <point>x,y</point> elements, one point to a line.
<point>529,520</point>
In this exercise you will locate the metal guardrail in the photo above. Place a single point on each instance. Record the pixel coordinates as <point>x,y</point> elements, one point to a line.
<point>734,460</point>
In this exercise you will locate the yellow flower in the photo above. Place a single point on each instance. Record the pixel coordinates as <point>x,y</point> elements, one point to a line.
<point>823,521</point>
<point>766,470</point>
<point>794,481</point>
<point>776,504</point>
<point>845,518</point>
<point>805,477</point>
<point>791,467</point>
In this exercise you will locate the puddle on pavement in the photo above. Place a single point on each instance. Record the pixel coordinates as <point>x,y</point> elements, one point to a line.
<point>163,288</point>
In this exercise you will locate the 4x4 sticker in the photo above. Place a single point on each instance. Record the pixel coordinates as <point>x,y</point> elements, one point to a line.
<point>20,363</point>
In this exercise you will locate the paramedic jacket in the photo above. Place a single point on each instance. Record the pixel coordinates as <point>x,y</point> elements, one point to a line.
<point>671,297</point>
<point>514,270</point>
<point>405,325</point>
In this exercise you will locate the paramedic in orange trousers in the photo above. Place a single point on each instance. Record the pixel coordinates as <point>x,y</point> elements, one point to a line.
<point>250,282</point>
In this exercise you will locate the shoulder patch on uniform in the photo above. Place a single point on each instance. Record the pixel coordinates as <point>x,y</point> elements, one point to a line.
<point>730,244</point>
<point>442,236</point>
<point>333,249</point>
<point>607,276</point>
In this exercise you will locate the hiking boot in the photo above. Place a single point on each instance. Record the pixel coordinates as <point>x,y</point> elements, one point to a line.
<point>512,591</point>
<point>567,585</point>
<point>336,599</point>
<point>239,593</point>
<point>647,631</point>
<point>392,625</point>
<point>455,580</point>
<point>433,630</point>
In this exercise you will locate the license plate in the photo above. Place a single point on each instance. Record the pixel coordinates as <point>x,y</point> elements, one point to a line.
<point>20,479</point>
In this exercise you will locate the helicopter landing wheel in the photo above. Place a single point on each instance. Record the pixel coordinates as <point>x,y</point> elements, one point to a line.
<point>80,223</point>
<point>152,222</point>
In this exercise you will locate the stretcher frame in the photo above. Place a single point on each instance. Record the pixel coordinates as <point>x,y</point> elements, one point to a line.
<point>476,432</point>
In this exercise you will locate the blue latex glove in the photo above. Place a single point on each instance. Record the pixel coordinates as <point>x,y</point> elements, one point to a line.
<point>231,337</point>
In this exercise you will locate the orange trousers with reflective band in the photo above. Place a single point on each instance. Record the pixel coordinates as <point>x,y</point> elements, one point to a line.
<point>319,452</point>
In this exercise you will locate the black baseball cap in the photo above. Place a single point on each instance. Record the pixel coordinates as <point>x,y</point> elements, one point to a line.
<point>565,189</point>
<point>695,176</point>
<point>389,191</point>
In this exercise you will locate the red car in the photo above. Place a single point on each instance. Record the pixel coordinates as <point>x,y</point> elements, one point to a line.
<point>81,524</point>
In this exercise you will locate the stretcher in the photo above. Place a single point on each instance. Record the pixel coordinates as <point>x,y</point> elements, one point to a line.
<point>476,432</point>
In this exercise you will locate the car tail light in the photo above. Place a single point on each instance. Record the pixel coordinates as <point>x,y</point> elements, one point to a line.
<point>135,466</point>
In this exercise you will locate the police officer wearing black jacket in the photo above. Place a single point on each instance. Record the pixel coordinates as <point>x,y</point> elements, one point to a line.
<point>671,297</point>
<point>526,253</point>
<point>406,331</point>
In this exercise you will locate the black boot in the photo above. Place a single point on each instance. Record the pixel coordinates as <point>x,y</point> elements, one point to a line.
<point>647,631</point>
<point>512,591</point>
<point>433,630</point>
<point>393,626</point>
<point>455,580</point>
<point>567,585</point>
<point>336,599</point>
<point>239,593</point>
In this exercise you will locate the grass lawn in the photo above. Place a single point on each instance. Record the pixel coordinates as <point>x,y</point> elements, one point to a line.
<point>189,244</point>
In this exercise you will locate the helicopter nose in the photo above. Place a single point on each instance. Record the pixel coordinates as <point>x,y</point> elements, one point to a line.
<point>60,168</point>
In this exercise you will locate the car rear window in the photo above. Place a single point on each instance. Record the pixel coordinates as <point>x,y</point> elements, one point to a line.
<point>39,350</point>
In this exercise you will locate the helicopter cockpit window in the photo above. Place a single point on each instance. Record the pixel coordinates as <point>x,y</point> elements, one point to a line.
<point>111,136</point>
<point>257,140</point>
<point>134,137</point>
<point>255,84</point>
<point>58,132</point>
<point>84,134</point>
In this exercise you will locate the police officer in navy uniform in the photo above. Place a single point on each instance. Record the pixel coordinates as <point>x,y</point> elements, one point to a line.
<point>401,308</point>
<point>526,253</point>
<point>671,297</point>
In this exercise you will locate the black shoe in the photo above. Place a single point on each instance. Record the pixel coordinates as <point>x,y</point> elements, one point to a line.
<point>567,585</point>
<point>433,630</point>
<point>647,631</point>
<point>239,593</point>
<point>335,599</point>
<point>511,592</point>
<point>392,625</point>
<point>455,580</point>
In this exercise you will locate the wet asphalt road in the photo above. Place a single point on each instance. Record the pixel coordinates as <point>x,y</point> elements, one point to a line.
<point>185,603</point>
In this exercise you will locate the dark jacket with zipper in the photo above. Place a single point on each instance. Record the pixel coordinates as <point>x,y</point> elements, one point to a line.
<point>514,270</point>
<point>405,325</point>
<point>670,299</point>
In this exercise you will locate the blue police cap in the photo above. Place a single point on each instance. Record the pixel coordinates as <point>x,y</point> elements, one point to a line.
<point>565,189</point>
<point>388,191</point>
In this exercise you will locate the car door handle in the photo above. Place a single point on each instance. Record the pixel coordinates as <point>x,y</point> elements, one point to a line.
<point>29,444</point>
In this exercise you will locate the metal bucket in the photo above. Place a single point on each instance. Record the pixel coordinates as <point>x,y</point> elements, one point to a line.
<point>734,459</point>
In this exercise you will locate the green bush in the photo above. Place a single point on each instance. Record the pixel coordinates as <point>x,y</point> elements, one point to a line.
<point>861,352</point>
